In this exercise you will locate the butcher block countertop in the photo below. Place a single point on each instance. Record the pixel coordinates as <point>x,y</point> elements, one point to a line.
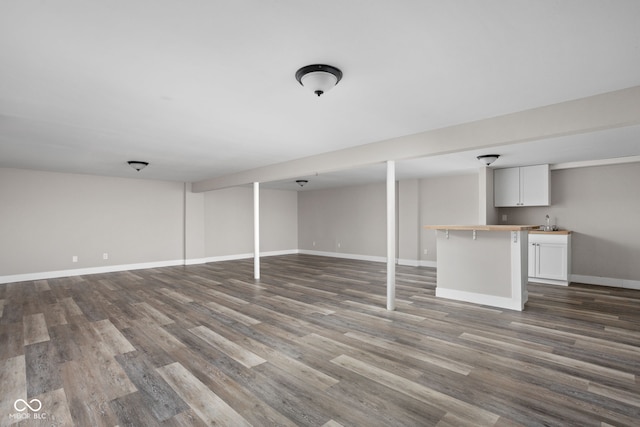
<point>484,227</point>
<point>550,232</point>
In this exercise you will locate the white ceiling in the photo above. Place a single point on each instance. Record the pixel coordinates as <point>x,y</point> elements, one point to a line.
<point>205,88</point>
<point>614,144</point>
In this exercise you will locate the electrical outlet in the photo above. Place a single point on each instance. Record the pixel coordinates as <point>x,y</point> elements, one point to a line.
<point>338,245</point>
<point>314,243</point>
<point>504,217</point>
<point>74,258</point>
<point>105,255</point>
<point>426,251</point>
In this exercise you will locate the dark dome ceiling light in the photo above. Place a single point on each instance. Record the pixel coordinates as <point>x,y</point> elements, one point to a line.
<point>320,78</point>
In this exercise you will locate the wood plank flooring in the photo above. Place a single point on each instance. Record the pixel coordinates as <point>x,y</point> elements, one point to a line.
<point>311,344</point>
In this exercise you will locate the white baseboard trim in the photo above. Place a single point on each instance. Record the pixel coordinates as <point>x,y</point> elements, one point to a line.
<point>409,262</point>
<point>90,270</point>
<point>124,267</point>
<point>431,264</point>
<point>239,256</point>
<point>399,261</point>
<point>494,301</point>
<point>417,263</point>
<point>548,281</point>
<point>606,281</point>
<point>194,261</point>
<point>344,255</point>
<point>233,257</point>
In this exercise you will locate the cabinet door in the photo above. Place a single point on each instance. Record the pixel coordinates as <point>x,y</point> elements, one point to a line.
<point>506,187</point>
<point>534,185</point>
<point>551,261</point>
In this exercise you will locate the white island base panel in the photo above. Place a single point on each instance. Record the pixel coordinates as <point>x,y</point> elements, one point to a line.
<point>487,267</point>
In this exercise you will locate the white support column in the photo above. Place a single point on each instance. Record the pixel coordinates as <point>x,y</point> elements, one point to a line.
<point>256,230</point>
<point>391,235</point>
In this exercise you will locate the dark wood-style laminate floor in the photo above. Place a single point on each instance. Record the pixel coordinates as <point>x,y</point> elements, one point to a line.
<point>311,344</point>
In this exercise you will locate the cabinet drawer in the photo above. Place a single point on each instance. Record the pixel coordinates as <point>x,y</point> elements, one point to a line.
<point>548,238</point>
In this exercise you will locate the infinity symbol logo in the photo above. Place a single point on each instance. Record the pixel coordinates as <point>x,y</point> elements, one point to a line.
<point>27,405</point>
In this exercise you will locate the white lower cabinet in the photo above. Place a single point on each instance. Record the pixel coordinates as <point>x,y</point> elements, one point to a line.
<point>550,258</point>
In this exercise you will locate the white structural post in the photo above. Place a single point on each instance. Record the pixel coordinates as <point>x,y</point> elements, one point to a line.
<point>256,230</point>
<point>391,235</point>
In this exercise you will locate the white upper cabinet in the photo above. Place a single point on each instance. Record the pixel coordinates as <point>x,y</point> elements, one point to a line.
<point>523,186</point>
<point>506,187</point>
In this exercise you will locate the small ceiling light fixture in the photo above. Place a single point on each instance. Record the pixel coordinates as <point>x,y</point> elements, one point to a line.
<point>318,77</point>
<point>138,165</point>
<point>301,182</point>
<point>488,159</point>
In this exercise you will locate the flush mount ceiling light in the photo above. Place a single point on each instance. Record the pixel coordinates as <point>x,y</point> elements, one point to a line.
<point>301,182</point>
<point>138,165</point>
<point>319,77</point>
<point>487,159</point>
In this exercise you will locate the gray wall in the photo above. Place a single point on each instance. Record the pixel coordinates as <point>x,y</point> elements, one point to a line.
<point>278,220</point>
<point>601,205</point>
<point>444,201</point>
<point>349,220</point>
<point>355,217</point>
<point>409,227</point>
<point>194,224</point>
<point>46,218</point>
<point>228,221</point>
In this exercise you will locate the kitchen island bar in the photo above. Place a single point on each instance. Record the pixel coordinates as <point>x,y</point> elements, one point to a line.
<point>483,264</point>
